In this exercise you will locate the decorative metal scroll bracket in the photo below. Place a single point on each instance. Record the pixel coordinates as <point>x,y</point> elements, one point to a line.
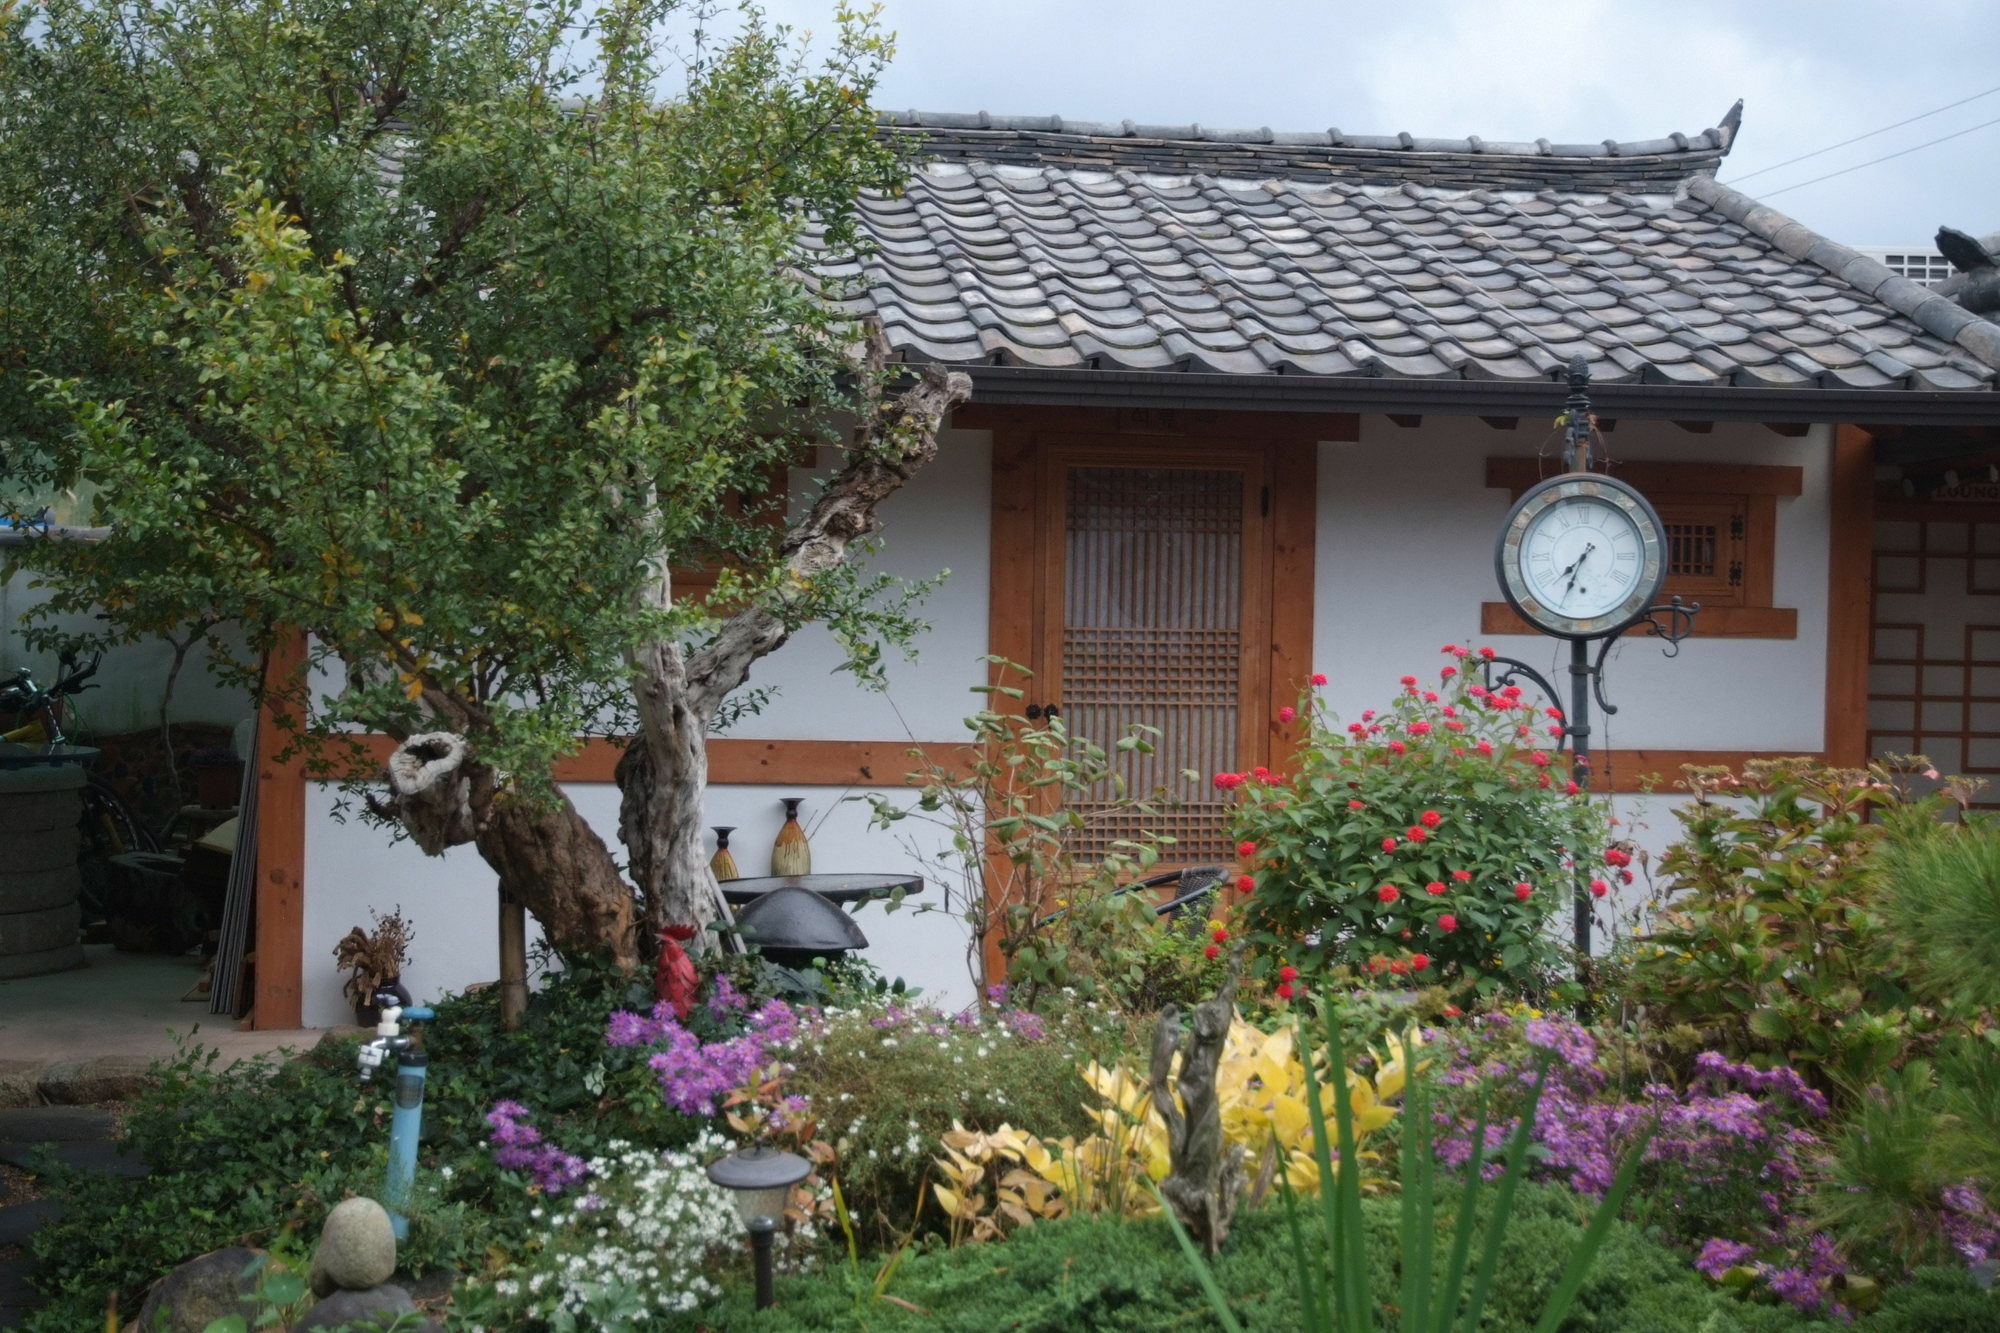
<point>1670,622</point>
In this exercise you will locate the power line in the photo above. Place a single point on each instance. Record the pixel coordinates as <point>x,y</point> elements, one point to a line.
<point>1769,194</point>
<point>1859,137</point>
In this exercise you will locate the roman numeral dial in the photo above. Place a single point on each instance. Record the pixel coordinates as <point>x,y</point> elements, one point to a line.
<point>1581,555</point>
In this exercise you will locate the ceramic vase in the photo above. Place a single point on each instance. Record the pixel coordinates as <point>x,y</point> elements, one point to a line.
<point>723,863</point>
<point>791,854</point>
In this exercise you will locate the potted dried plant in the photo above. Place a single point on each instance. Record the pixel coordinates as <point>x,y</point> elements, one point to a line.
<point>374,961</point>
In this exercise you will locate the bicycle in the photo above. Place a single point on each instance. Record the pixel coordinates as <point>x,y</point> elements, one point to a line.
<point>108,826</point>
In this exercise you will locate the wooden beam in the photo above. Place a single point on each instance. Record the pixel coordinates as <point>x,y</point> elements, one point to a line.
<point>1407,420</point>
<point>1502,423</point>
<point>277,998</point>
<point>1628,771</point>
<point>1792,429</point>
<point>1518,474</point>
<point>1605,425</point>
<point>1714,622</point>
<point>1193,423</point>
<point>1696,427</point>
<point>1849,595</point>
<point>732,761</point>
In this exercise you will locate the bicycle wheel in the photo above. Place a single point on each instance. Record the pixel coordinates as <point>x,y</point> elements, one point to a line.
<point>108,828</point>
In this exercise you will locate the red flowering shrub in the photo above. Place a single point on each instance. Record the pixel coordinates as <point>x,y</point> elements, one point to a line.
<point>1398,833</point>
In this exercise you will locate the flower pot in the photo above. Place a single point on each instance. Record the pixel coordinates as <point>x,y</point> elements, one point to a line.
<point>368,1015</point>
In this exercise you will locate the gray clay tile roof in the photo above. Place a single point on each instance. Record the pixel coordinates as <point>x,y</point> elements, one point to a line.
<point>1036,242</point>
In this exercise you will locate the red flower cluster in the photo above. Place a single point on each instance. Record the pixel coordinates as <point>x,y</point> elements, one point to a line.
<point>1230,781</point>
<point>1388,893</point>
<point>1246,850</point>
<point>1287,713</point>
<point>1617,856</point>
<point>1430,819</point>
<point>1598,888</point>
<point>1318,678</point>
<point>1447,923</point>
<point>1462,876</point>
<point>1245,883</point>
<point>1522,891</point>
<point>1435,888</point>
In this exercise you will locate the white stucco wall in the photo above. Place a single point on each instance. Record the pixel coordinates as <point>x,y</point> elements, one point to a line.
<point>452,900</point>
<point>131,678</point>
<point>1405,557</point>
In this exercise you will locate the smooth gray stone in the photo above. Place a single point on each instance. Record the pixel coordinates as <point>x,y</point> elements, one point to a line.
<point>203,1290</point>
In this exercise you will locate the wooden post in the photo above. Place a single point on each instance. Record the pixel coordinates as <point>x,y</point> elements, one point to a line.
<point>513,962</point>
<point>1850,595</point>
<point>281,844</point>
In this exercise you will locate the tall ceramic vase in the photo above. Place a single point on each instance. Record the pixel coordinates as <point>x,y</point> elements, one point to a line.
<point>792,854</point>
<point>723,863</point>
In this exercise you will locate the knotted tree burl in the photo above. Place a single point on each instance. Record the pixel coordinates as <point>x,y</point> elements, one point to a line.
<point>450,341</point>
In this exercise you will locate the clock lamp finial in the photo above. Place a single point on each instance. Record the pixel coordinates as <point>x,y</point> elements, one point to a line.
<point>1576,417</point>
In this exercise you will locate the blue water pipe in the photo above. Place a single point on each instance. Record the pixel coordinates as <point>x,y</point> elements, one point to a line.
<point>406,1123</point>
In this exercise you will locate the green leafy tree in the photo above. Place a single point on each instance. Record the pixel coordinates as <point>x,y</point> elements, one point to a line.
<point>444,331</point>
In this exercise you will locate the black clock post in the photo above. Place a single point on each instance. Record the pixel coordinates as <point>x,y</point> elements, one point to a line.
<point>1589,643</point>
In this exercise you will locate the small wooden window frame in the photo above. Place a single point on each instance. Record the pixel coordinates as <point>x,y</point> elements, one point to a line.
<point>698,581</point>
<point>1739,499</point>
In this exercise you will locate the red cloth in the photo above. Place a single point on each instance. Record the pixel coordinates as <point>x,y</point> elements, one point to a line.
<point>674,978</point>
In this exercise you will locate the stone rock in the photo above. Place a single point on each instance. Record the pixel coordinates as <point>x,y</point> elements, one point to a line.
<point>356,1250</point>
<point>54,1124</point>
<point>108,1078</point>
<point>200,1291</point>
<point>20,1221</point>
<point>378,1307</point>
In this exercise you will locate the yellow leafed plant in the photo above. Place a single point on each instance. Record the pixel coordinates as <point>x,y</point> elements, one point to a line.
<point>1010,1178</point>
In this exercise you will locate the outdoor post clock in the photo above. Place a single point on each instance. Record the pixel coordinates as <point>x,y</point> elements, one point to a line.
<point>1583,556</point>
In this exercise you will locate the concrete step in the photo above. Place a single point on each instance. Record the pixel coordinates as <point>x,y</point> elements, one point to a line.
<point>23,1220</point>
<point>54,1124</point>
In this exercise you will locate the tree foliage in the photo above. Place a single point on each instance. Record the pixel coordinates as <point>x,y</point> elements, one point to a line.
<point>445,330</point>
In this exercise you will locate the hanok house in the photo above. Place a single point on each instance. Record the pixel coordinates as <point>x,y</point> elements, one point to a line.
<point>1252,405</point>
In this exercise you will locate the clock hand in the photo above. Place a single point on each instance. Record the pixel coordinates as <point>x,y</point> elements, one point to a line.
<point>1576,569</point>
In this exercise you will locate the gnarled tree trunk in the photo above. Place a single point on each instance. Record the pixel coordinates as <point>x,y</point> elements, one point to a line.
<point>1207,1176</point>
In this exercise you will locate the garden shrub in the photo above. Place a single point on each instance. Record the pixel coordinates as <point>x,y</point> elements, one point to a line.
<point>258,1153</point>
<point>1437,838</point>
<point>1102,1273</point>
<point>1770,944</point>
<point>639,1242</point>
<point>886,1083</point>
<point>1017,804</point>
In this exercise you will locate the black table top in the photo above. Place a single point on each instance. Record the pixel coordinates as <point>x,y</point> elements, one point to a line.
<point>838,888</point>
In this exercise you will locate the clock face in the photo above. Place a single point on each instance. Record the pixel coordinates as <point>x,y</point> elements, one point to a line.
<point>1581,555</point>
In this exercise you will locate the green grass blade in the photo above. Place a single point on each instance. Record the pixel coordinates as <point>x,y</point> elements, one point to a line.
<point>1312,1301</point>
<point>1419,1229</point>
<point>1586,1249</point>
<point>1351,1245</point>
<point>1468,1208</point>
<point>1503,1197</point>
<point>1202,1272</point>
<point>1323,1158</point>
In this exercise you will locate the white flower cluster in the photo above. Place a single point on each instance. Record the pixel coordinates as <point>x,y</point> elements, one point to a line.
<point>637,1244</point>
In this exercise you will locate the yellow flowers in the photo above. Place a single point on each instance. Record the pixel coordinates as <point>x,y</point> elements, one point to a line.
<point>1261,1086</point>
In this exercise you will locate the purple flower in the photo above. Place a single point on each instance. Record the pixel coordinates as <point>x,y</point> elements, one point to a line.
<point>518,1146</point>
<point>1718,1256</point>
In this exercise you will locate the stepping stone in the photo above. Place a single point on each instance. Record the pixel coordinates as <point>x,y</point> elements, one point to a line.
<point>24,1219</point>
<point>54,1124</point>
<point>17,1291</point>
<point>96,1155</point>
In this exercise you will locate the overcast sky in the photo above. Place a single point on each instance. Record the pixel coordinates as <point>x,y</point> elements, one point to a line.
<point>1810,72</point>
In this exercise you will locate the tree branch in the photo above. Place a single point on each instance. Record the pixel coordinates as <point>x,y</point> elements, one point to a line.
<point>898,436</point>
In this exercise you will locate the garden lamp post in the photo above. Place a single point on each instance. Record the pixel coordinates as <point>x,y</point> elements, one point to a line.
<point>760,1181</point>
<point>1582,557</point>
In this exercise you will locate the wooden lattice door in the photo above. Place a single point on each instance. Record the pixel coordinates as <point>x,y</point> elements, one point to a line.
<point>1155,610</point>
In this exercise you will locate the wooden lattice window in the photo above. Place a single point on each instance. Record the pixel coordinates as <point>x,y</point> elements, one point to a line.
<point>1722,529</point>
<point>1708,549</point>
